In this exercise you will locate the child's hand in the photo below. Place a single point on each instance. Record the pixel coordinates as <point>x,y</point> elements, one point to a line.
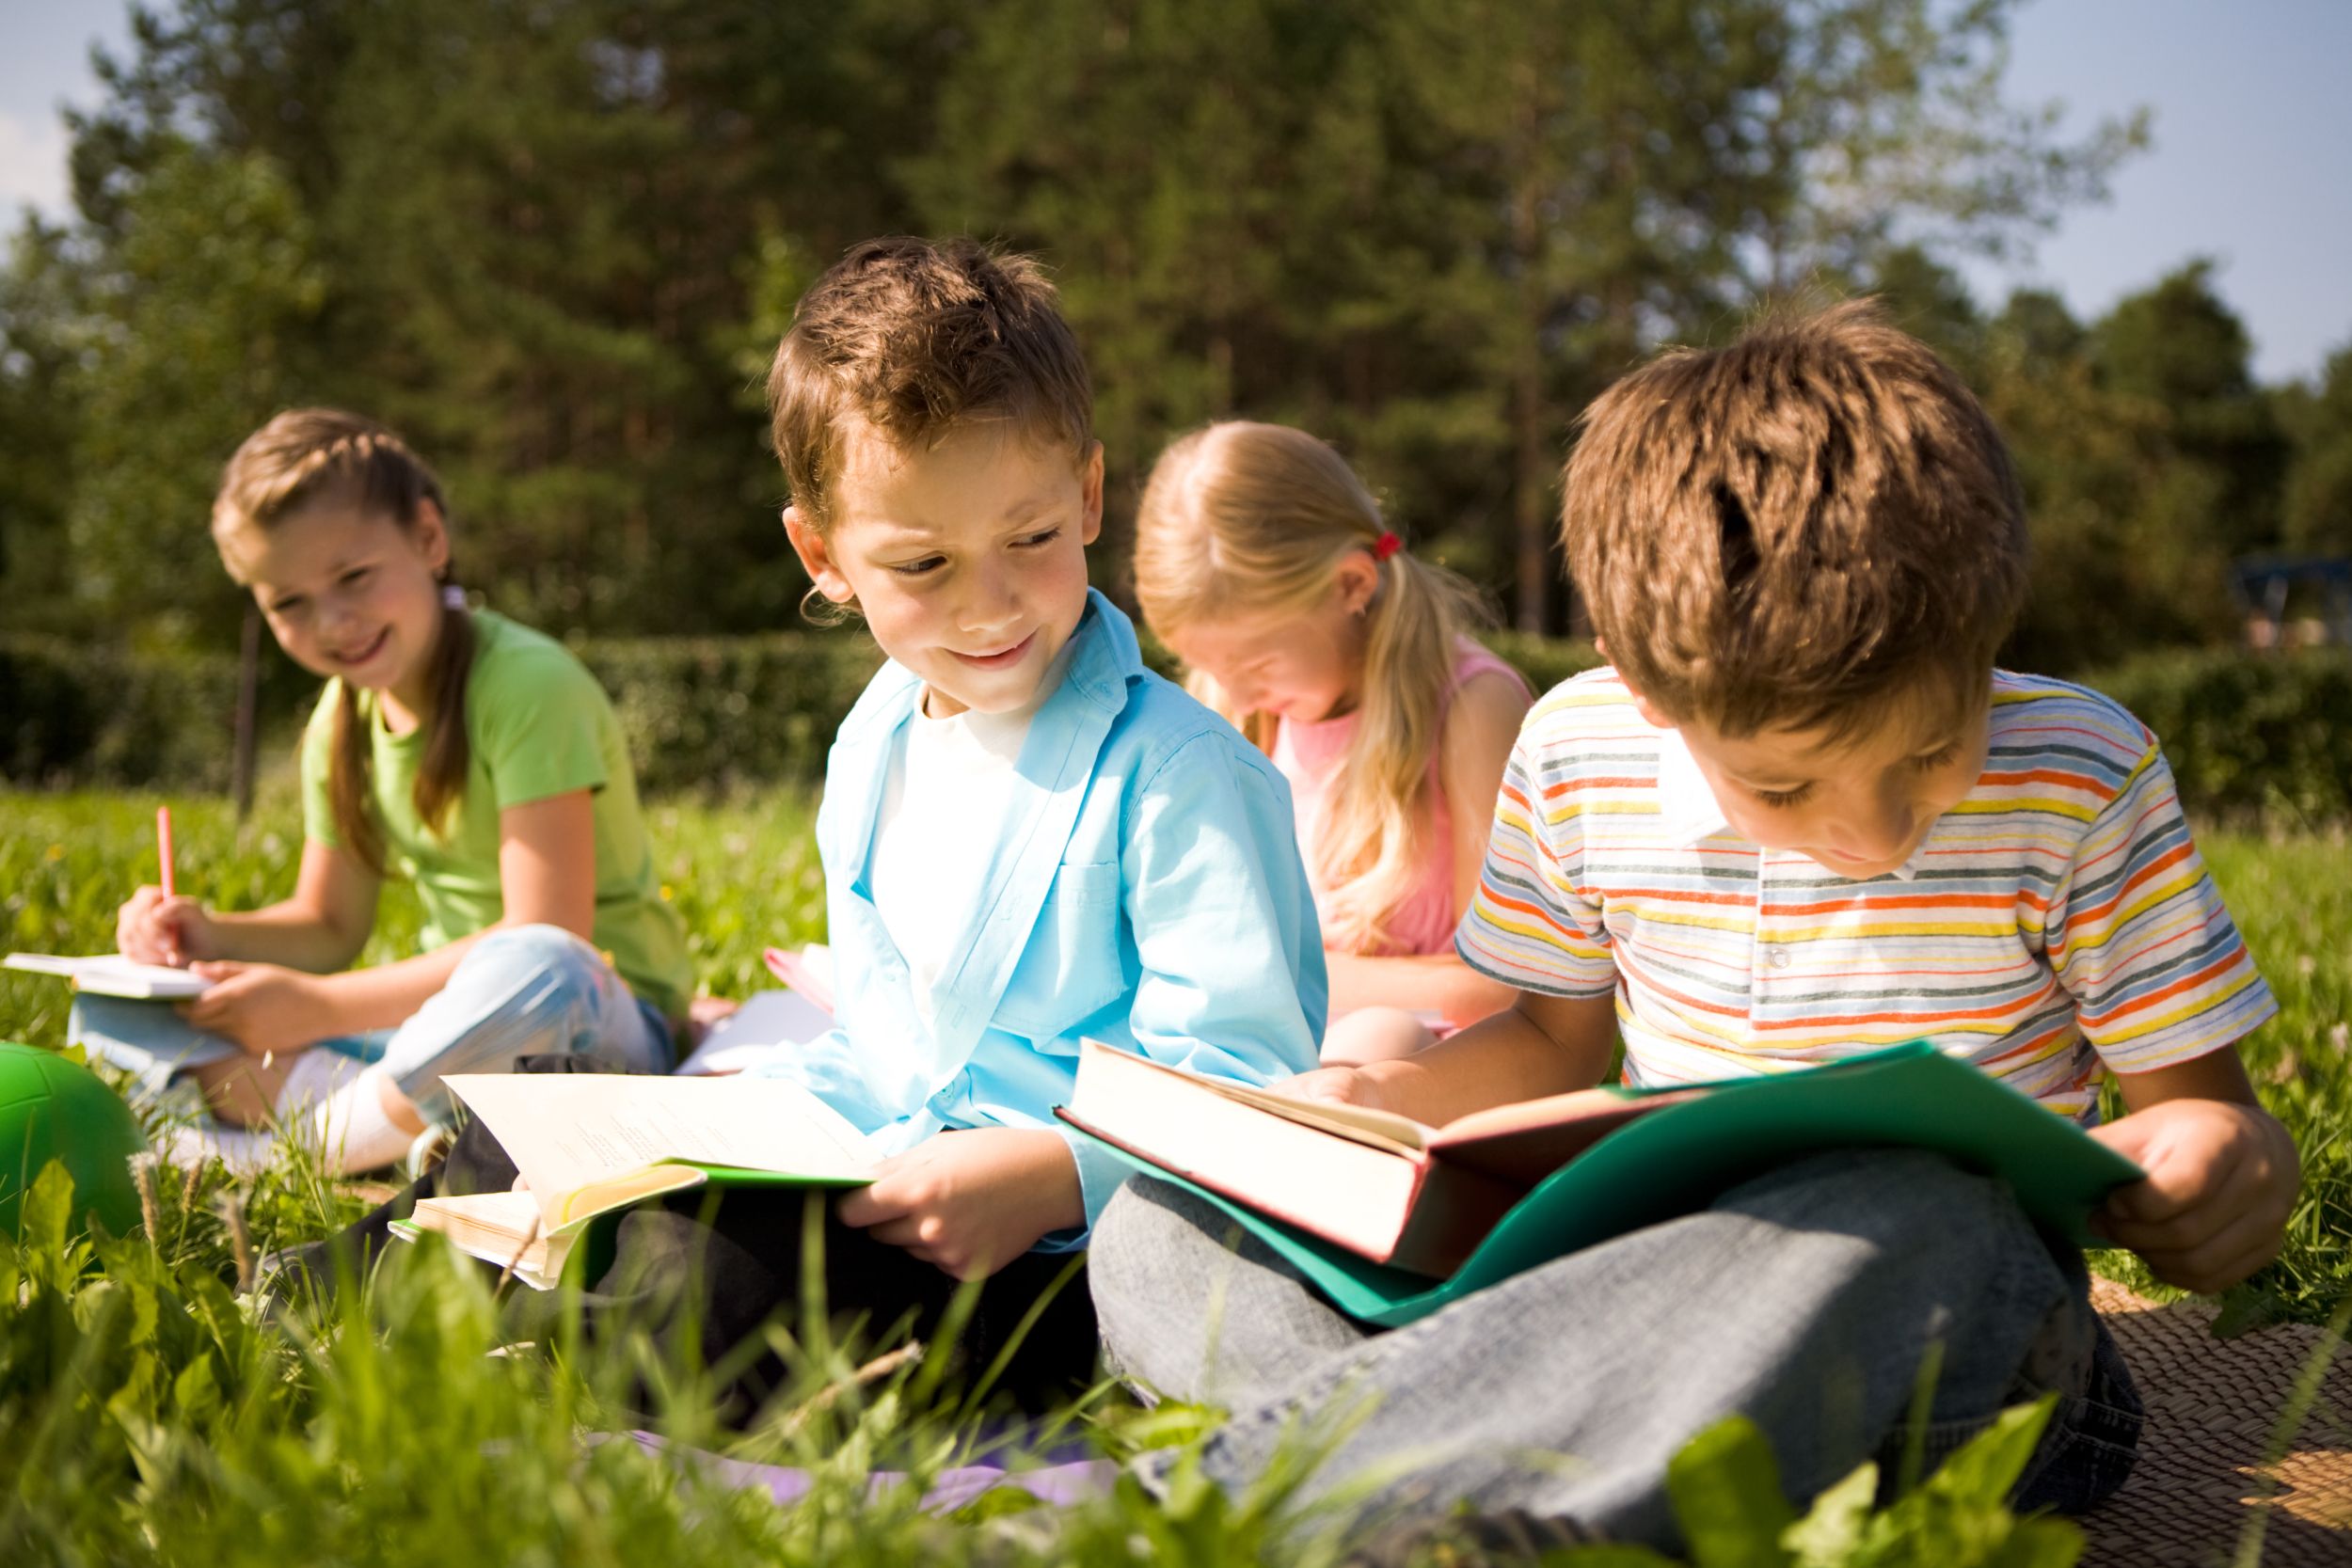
<point>263,1007</point>
<point>1345,1086</point>
<point>971,1203</point>
<point>2222,1182</point>
<point>153,929</point>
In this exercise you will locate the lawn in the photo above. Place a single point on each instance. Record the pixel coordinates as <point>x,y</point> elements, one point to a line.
<point>157,1416</point>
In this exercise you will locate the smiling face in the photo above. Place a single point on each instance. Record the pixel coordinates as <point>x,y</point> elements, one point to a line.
<point>347,592</point>
<point>1304,664</point>
<point>967,559</point>
<point>1856,806</point>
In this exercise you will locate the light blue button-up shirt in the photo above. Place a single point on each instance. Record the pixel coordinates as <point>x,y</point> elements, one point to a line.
<point>1145,891</point>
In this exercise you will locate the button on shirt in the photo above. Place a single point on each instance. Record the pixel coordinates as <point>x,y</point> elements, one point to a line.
<point>2057,919</point>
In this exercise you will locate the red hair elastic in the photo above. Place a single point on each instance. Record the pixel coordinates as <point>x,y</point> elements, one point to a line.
<point>1386,546</point>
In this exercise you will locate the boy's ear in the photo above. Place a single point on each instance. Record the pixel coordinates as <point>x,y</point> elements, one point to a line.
<point>1643,706</point>
<point>1650,714</point>
<point>1091,489</point>
<point>816,557</point>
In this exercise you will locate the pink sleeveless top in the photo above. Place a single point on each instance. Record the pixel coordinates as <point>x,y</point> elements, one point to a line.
<point>1309,755</point>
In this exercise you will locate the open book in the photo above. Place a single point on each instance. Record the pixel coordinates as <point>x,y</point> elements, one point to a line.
<point>112,974</point>
<point>1392,1219</point>
<point>589,1142</point>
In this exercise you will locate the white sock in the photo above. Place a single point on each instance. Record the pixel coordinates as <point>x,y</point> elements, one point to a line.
<point>354,1130</point>
<point>313,1078</point>
<point>244,1150</point>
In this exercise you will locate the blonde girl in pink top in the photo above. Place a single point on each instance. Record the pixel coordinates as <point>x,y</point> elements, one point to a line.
<point>1264,564</point>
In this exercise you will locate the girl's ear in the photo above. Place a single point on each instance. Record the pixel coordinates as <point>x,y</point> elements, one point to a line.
<point>816,557</point>
<point>1356,580</point>
<point>431,532</point>
<point>1090,490</point>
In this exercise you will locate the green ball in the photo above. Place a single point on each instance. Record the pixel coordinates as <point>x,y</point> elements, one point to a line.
<point>55,1109</point>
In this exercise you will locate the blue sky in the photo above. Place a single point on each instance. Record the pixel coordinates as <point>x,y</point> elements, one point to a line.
<point>2252,165</point>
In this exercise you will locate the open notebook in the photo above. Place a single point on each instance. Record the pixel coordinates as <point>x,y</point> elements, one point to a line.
<point>587,1144</point>
<point>111,974</point>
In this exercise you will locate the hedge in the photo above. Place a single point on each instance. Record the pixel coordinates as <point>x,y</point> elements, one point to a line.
<point>78,716</point>
<point>2248,734</point>
<point>718,711</point>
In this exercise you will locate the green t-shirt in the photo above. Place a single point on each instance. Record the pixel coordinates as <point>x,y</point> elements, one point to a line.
<point>537,724</point>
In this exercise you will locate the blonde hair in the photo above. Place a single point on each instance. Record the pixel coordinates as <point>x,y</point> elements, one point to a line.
<point>1798,530</point>
<point>1242,518</point>
<point>309,458</point>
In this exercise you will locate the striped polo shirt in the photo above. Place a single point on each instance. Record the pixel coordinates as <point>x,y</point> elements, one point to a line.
<point>2057,919</point>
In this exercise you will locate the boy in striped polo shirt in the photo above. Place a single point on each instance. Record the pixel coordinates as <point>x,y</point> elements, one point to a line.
<point>1803,817</point>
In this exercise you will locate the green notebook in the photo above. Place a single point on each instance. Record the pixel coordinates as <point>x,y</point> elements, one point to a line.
<point>1676,1159</point>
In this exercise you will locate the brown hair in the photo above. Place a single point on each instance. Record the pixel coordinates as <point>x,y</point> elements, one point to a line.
<point>309,458</point>
<point>917,339</point>
<point>1244,518</point>
<point>1798,528</point>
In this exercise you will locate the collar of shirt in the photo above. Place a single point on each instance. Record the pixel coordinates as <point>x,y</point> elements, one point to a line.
<point>1688,812</point>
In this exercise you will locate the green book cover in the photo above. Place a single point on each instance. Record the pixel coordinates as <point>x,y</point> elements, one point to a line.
<point>1677,1159</point>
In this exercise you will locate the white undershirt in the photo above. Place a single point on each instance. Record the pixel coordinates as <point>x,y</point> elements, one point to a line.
<point>944,805</point>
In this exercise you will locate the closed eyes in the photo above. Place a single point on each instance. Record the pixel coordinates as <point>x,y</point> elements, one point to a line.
<point>1927,762</point>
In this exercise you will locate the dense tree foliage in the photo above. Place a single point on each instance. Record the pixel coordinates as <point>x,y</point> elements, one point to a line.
<point>554,241</point>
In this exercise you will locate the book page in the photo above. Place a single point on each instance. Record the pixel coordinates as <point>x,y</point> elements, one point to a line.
<point>567,1131</point>
<point>111,974</point>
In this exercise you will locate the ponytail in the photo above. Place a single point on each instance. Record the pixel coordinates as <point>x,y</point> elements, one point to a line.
<point>1376,829</point>
<point>347,770</point>
<point>440,781</point>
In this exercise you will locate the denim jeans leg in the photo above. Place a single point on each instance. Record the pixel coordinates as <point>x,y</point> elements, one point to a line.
<point>153,1043</point>
<point>1197,1307</point>
<point>1805,1299</point>
<point>522,991</point>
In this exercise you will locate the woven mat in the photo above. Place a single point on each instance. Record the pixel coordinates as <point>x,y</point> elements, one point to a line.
<point>2212,1408</point>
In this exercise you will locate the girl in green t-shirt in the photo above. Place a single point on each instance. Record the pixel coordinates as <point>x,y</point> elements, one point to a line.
<point>470,755</point>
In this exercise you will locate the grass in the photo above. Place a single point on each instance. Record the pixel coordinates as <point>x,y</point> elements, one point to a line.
<point>154,1416</point>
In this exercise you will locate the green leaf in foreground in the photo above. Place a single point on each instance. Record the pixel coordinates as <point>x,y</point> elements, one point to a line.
<point>1725,1488</point>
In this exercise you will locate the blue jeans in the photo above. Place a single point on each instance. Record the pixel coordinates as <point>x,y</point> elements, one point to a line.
<point>1807,1299</point>
<point>519,991</point>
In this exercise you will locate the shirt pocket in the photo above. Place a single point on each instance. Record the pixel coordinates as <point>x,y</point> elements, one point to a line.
<point>1070,968</point>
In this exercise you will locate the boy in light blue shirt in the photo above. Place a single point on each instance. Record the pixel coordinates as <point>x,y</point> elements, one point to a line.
<point>1028,838</point>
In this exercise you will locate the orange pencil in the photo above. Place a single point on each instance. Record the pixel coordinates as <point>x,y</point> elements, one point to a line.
<point>163,844</point>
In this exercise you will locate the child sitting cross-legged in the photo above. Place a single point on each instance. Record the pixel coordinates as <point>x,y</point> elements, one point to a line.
<point>1028,839</point>
<point>1803,817</point>
<point>455,748</point>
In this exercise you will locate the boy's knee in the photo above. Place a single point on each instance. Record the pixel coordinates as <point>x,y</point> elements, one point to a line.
<point>1916,1228</point>
<point>1901,1194</point>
